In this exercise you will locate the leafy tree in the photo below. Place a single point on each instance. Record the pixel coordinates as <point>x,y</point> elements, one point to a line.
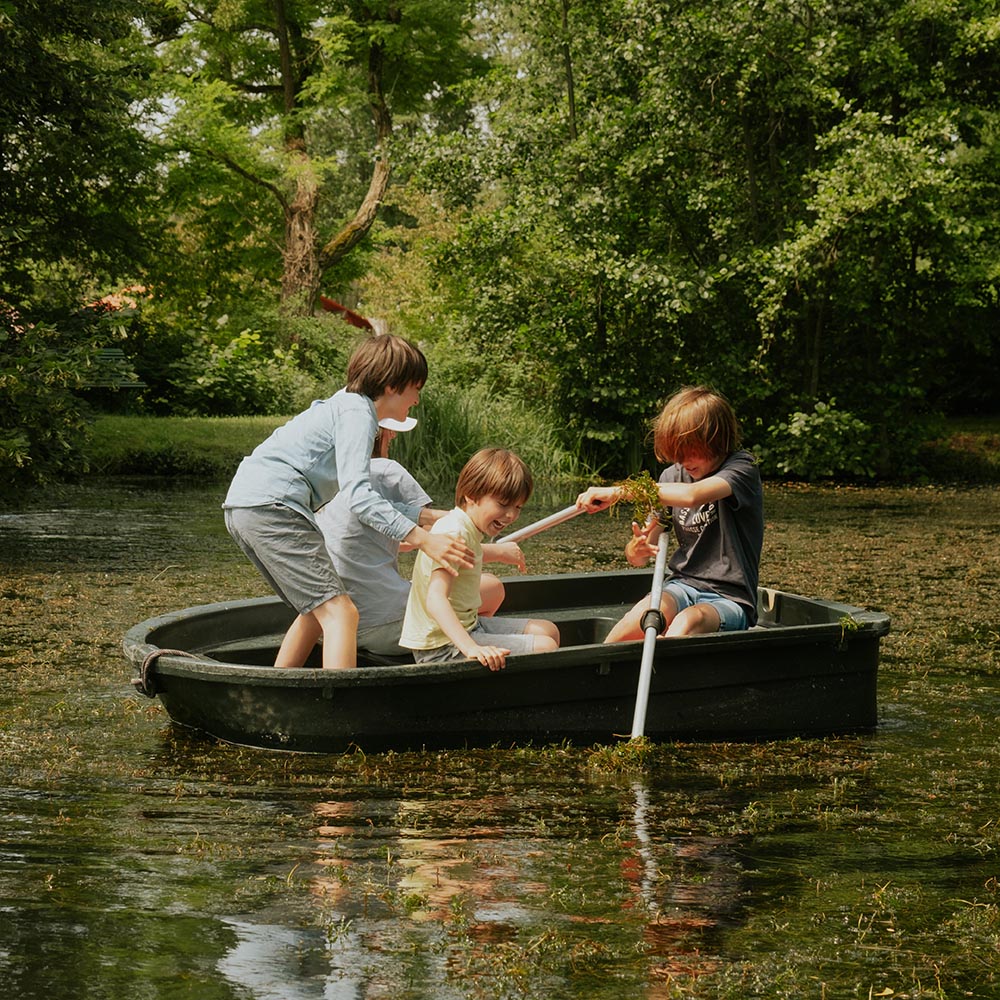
<point>267,101</point>
<point>75,175</point>
<point>74,165</point>
<point>795,203</point>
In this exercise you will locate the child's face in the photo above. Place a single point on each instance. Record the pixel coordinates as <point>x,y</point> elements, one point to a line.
<point>396,403</point>
<point>698,464</point>
<point>491,515</point>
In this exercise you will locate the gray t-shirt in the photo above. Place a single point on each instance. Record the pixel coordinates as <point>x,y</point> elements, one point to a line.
<point>719,543</point>
<point>366,560</point>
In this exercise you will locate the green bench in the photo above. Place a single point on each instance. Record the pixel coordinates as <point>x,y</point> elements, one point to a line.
<point>112,370</point>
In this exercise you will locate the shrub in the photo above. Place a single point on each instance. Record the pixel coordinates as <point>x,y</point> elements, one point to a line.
<point>241,377</point>
<point>43,424</point>
<point>823,444</point>
<point>454,422</point>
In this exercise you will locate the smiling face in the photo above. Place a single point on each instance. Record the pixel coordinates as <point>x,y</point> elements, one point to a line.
<point>395,403</point>
<point>491,515</point>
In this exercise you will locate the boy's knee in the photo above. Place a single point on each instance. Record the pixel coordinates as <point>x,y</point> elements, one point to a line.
<point>698,619</point>
<point>338,611</point>
<point>545,643</point>
<point>491,594</point>
<point>540,627</point>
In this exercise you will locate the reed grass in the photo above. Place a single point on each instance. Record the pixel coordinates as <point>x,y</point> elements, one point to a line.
<point>452,425</point>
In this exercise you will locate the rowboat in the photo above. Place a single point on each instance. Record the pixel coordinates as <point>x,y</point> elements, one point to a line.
<point>809,667</point>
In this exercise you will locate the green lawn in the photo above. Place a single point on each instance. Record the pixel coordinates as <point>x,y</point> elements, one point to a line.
<point>202,446</point>
<point>969,450</point>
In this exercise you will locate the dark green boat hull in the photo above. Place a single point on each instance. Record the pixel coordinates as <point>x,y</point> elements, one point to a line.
<point>809,668</point>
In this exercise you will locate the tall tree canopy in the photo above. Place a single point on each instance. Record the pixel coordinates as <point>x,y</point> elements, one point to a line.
<point>76,174</point>
<point>73,160</point>
<point>277,109</point>
<point>794,202</point>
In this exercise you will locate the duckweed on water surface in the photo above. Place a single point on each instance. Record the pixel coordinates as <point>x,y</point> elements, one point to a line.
<point>139,860</point>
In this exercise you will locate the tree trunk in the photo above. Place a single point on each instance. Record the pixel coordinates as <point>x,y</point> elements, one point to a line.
<point>354,231</point>
<point>300,274</point>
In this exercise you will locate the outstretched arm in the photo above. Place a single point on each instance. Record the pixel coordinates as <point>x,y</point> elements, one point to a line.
<point>427,517</point>
<point>448,551</point>
<point>505,552</point>
<point>670,494</point>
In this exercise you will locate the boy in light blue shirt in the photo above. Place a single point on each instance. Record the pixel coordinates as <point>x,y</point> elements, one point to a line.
<point>271,504</point>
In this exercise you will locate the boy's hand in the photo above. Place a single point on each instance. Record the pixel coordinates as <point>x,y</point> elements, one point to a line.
<point>494,657</point>
<point>448,551</point>
<point>511,554</point>
<point>598,498</point>
<point>639,550</point>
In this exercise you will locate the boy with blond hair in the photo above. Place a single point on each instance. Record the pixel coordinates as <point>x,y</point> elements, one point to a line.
<point>714,495</point>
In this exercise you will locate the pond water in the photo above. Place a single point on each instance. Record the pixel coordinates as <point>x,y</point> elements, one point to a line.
<point>141,861</point>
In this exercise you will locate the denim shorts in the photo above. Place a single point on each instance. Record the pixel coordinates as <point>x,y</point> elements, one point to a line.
<point>732,618</point>
<point>507,633</point>
<point>289,551</point>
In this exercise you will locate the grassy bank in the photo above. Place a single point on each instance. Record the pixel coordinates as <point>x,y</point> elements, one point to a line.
<point>968,451</point>
<point>451,427</point>
<point>174,446</point>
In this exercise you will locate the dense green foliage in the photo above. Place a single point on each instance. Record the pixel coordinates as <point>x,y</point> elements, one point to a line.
<point>74,172</point>
<point>591,204</point>
<point>794,204</point>
<point>278,145</point>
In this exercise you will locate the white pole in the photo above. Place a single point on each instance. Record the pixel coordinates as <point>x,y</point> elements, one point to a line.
<point>546,522</point>
<point>649,641</point>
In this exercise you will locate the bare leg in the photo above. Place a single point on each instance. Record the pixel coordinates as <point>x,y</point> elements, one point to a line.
<point>630,626</point>
<point>299,640</point>
<point>338,617</point>
<point>696,620</point>
<point>491,594</point>
<point>546,634</point>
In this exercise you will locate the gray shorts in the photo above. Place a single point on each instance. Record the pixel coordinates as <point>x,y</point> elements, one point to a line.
<point>508,633</point>
<point>383,640</point>
<point>289,551</point>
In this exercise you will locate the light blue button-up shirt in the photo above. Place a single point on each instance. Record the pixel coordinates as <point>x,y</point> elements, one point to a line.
<point>324,449</point>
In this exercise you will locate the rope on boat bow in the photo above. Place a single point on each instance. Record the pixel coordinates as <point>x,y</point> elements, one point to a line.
<point>145,683</point>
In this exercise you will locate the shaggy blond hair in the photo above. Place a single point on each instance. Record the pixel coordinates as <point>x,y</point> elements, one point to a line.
<point>695,419</point>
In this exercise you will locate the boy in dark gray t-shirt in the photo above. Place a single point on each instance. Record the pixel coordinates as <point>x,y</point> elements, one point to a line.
<point>713,492</point>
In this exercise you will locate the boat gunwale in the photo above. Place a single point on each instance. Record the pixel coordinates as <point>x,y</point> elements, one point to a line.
<point>195,665</point>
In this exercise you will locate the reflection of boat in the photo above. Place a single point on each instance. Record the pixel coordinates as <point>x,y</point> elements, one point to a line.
<point>809,667</point>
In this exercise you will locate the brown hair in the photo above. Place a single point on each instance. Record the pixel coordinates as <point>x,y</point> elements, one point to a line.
<point>697,418</point>
<point>380,362</point>
<point>494,472</point>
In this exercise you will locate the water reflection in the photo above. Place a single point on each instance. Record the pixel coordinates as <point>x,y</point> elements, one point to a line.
<point>138,861</point>
<point>274,962</point>
<point>445,891</point>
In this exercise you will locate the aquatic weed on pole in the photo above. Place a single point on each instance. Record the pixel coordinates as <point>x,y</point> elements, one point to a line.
<point>642,492</point>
